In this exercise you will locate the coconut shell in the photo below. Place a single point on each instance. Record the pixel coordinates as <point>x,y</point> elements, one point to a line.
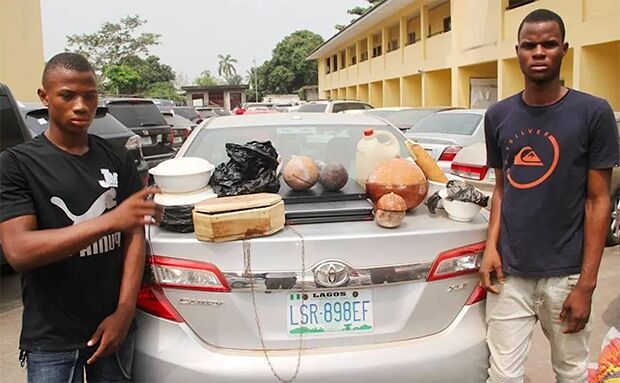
<point>391,202</point>
<point>300,173</point>
<point>333,176</point>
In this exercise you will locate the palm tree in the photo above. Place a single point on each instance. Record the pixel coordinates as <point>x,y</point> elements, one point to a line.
<point>226,67</point>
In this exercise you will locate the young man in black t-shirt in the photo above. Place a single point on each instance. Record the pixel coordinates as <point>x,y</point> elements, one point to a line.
<point>73,216</point>
<point>552,149</point>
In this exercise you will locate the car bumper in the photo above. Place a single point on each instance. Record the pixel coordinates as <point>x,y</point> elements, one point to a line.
<point>171,352</point>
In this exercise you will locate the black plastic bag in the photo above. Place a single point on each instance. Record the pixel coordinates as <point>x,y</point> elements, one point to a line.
<point>251,169</point>
<point>177,219</point>
<point>458,191</point>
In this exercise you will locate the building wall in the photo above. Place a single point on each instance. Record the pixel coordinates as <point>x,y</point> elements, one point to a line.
<point>21,47</point>
<point>480,44</point>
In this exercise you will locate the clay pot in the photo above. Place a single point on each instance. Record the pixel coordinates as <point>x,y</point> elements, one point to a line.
<point>390,210</point>
<point>399,176</point>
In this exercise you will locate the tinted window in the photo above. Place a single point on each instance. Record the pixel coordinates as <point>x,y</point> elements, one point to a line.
<point>188,113</point>
<point>312,108</point>
<point>135,115</point>
<point>103,126</point>
<point>449,123</point>
<point>178,121</point>
<point>381,113</point>
<point>355,106</point>
<point>339,107</point>
<point>11,133</point>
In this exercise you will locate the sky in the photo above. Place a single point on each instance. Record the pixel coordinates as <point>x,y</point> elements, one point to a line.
<point>194,32</point>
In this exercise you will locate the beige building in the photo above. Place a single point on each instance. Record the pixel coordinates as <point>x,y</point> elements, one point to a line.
<point>21,47</point>
<point>462,52</point>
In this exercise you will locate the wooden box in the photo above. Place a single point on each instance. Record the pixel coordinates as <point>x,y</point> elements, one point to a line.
<point>238,217</point>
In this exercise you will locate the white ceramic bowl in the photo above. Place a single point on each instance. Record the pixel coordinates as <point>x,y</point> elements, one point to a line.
<point>182,175</point>
<point>457,210</point>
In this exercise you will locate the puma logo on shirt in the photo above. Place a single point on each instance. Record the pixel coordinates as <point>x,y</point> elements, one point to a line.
<point>106,200</point>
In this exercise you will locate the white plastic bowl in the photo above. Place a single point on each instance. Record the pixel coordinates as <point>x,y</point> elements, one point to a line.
<point>457,210</point>
<point>182,175</point>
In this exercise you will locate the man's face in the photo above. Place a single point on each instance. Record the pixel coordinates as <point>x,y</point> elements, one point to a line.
<point>71,98</point>
<point>540,51</point>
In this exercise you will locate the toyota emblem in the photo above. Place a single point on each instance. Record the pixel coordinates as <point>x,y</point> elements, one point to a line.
<point>331,274</point>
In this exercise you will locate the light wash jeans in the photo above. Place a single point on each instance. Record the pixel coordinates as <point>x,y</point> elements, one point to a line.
<point>511,316</point>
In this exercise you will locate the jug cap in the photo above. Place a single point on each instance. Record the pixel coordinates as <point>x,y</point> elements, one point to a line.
<point>368,132</point>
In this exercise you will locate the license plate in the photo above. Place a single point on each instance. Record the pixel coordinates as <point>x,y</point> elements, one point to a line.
<point>329,312</point>
<point>147,140</point>
<point>178,140</point>
<point>159,136</point>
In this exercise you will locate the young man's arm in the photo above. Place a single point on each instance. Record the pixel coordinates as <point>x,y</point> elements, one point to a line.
<point>112,331</point>
<point>576,308</point>
<point>491,260</point>
<point>26,248</point>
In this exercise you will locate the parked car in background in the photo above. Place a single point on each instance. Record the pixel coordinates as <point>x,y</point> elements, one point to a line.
<point>144,119</point>
<point>471,164</point>
<point>189,113</point>
<point>444,134</point>
<point>181,128</point>
<point>406,118</point>
<point>206,111</point>
<point>259,110</point>
<point>332,106</point>
<point>376,305</point>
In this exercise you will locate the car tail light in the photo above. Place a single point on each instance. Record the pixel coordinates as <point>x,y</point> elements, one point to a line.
<point>449,153</point>
<point>171,136</point>
<point>478,295</point>
<point>473,172</point>
<point>456,262</point>
<point>134,142</point>
<point>151,299</point>
<point>191,275</point>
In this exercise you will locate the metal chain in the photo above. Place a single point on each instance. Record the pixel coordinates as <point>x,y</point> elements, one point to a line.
<point>248,272</point>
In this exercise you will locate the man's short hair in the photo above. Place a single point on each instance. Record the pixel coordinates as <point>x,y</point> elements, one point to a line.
<point>66,60</point>
<point>542,15</point>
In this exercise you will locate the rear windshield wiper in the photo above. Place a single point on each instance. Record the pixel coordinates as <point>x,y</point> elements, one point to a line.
<point>145,124</point>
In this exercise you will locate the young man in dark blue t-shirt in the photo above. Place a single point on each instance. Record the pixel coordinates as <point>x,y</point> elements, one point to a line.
<point>552,149</point>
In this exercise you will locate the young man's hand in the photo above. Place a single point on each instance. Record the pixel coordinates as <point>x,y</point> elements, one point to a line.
<point>137,210</point>
<point>110,334</point>
<point>491,263</point>
<point>576,310</point>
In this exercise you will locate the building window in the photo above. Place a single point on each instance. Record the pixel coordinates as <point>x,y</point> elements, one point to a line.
<point>376,51</point>
<point>352,55</point>
<point>411,38</point>
<point>446,24</point>
<point>328,67</point>
<point>364,56</point>
<point>376,45</point>
<point>517,3</point>
<point>335,62</point>
<point>343,60</point>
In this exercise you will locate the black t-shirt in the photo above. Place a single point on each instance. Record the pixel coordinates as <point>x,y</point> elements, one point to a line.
<point>64,302</point>
<point>545,153</point>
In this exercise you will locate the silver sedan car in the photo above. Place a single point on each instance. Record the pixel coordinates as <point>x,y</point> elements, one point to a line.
<point>317,302</point>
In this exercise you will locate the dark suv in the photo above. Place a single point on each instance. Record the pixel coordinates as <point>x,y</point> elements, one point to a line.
<point>145,120</point>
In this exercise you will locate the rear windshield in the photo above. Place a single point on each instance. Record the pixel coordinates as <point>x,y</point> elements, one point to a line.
<point>312,108</point>
<point>136,115</point>
<point>104,126</point>
<point>178,121</point>
<point>408,117</point>
<point>186,112</point>
<point>449,123</point>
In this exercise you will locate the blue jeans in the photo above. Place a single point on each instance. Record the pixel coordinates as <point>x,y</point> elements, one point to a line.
<point>69,366</point>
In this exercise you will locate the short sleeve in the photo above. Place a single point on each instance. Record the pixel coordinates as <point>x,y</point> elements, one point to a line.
<point>129,180</point>
<point>15,194</point>
<point>603,144</point>
<point>494,154</point>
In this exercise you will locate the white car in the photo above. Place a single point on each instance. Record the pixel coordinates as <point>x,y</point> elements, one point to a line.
<point>333,106</point>
<point>445,133</point>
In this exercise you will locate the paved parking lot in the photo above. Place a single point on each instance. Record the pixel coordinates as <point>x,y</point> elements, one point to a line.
<point>538,370</point>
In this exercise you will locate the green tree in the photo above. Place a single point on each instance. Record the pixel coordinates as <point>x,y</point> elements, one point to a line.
<point>226,66</point>
<point>359,11</point>
<point>113,43</point>
<point>165,90</point>
<point>235,79</point>
<point>205,79</point>
<point>288,70</point>
<point>121,79</point>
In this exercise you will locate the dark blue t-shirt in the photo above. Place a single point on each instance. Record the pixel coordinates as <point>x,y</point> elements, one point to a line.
<point>545,153</point>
